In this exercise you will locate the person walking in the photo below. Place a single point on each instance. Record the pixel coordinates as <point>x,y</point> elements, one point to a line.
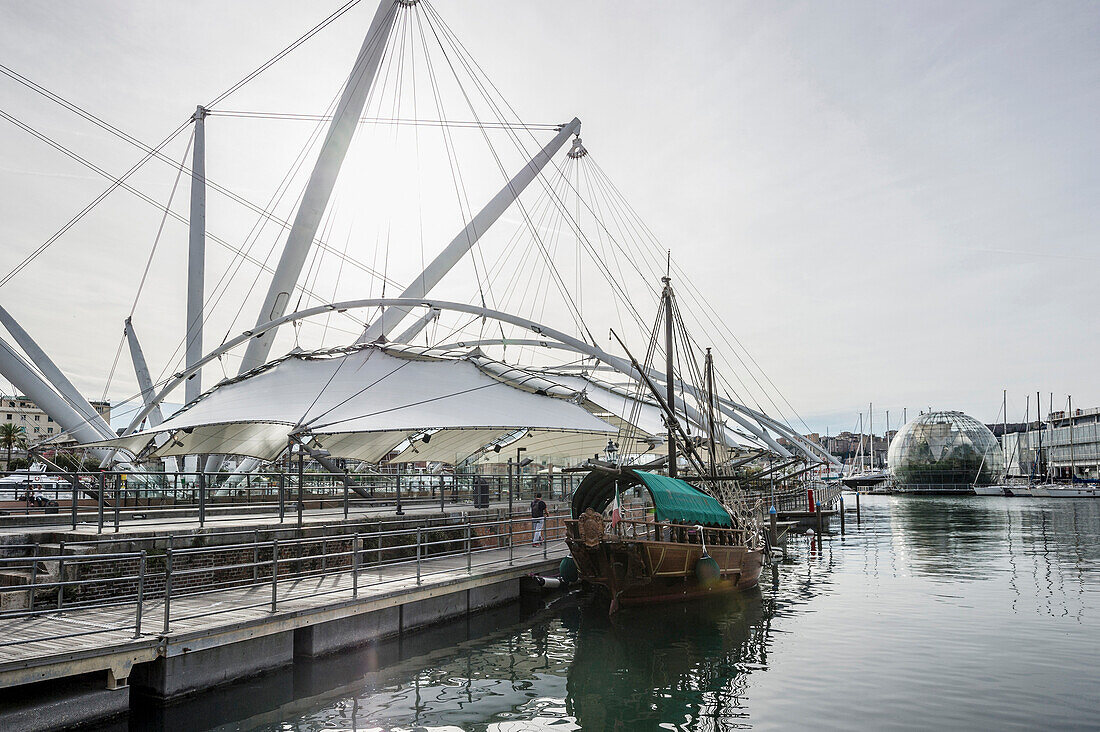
<point>538,519</point>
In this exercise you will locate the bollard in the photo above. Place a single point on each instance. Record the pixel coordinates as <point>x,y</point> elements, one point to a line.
<point>817,507</point>
<point>167,587</point>
<point>355,566</point>
<point>274,573</point>
<point>417,555</point>
<point>857,507</point>
<point>140,595</point>
<point>841,497</point>
<point>772,519</point>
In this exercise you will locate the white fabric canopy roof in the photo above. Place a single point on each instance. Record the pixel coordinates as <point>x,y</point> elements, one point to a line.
<point>362,404</point>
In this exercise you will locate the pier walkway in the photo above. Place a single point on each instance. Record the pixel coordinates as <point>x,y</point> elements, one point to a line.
<point>296,602</point>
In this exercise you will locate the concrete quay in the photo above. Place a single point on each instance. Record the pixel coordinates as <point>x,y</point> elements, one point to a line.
<point>86,661</point>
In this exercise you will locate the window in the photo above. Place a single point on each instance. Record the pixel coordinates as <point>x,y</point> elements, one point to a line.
<point>37,430</point>
<point>9,417</point>
<point>36,417</point>
<point>23,417</point>
<point>49,430</point>
<point>49,418</point>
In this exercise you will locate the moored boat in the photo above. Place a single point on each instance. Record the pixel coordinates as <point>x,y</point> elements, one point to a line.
<point>690,547</point>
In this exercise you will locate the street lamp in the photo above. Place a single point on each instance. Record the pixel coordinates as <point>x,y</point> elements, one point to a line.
<point>611,450</point>
<point>519,464</point>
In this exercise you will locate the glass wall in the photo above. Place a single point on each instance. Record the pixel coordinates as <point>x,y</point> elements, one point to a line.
<point>945,451</point>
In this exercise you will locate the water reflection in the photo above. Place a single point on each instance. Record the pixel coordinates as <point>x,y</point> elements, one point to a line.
<point>990,606</point>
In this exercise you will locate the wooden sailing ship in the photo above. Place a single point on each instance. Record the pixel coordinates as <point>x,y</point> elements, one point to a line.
<point>691,544</point>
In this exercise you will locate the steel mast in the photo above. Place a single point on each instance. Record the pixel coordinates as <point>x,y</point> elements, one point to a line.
<point>670,382</point>
<point>322,181</point>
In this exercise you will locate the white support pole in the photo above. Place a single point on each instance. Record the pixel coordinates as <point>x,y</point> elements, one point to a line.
<point>416,328</point>
<point>485,218</point>
<point>196,259</point>
<point>141,370</point>
<point>65,389</point>
<point>16,370</point>
<point>321,181</point>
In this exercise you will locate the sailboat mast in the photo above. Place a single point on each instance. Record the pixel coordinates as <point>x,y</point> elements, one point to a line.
<point>871,437</point>
<point>1072,457</point>
<point>710,414</point>
<point>670,381</point>
<point>1004,428</point>
<point>1039,426</point>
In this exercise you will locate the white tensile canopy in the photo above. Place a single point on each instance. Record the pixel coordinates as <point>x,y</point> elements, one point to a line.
<point>363,403</point>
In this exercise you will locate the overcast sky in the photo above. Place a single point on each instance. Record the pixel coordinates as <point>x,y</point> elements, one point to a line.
<point>887,202</point>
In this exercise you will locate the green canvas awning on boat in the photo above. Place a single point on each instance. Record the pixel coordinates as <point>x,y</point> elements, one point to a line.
<point>673,499</point>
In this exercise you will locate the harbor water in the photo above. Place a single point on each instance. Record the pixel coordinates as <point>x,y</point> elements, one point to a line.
<point>932,613</point>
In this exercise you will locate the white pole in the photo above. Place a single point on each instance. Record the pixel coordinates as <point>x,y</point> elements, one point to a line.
<point>321,182</point>
<point>16,370</point>
<point>479,224</point>
<point>141,370</point>
<point>68,393</point>
<point>415,329</point>
<point>196,259</point>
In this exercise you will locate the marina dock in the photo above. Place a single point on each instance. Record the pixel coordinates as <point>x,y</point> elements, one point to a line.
<point>172,620</point>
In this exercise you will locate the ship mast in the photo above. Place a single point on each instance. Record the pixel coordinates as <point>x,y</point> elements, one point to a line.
<point>670,383</point>
<point>710,414</point>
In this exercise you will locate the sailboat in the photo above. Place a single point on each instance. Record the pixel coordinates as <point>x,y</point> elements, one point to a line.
<point>866,477</point>
<point>698,541</point>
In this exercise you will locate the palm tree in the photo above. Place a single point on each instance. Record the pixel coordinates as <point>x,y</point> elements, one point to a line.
<point>12,436</point>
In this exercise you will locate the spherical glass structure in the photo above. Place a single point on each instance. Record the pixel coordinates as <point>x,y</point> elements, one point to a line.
<point>944,451</point>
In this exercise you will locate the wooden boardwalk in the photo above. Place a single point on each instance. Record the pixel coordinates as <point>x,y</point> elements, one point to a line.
<point>103,638</point>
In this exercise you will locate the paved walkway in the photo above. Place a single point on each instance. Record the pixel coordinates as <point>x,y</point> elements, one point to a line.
<point>103,638</point>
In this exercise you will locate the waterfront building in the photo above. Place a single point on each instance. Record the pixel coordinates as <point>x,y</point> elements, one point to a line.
<point>944,452</point>
<point>1070,445</point>
<point>38,425</point>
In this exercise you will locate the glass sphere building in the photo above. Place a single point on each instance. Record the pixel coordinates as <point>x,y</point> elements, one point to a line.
<point>941,452</point>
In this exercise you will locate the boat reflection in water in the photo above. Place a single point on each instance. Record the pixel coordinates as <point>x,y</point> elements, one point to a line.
<point>675,664</point>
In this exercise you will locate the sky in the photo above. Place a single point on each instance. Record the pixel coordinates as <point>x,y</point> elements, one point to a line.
<point>885,202</point>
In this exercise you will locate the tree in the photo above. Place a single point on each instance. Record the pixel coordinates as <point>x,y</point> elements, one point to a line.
<point>11,437</point>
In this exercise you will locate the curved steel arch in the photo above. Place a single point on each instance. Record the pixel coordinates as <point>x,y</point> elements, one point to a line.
<point>730,409</point>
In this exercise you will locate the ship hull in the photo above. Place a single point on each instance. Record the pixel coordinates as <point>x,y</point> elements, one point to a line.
<point>645,572</point>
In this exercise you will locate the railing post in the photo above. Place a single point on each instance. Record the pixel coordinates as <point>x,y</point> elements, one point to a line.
<point>202,498</point>
<point>442,496</point>
<point>60,575</point>
<point>76,495</point>
<point>418,555</point>
<point>345,496</point>
<point>282,496</point>
<point>140,595</point>
<point>274,573</point>
<point>118,492</point>
<point>545,535</point>
<point>255,556</point>
<point>102,490</point>
<point>511,544</point>
<point>167,588</point>
<point>324,553</point>
<point>469,548</point>
<point>34,574</point>
<point>355,566</point>
<point>399,511</point>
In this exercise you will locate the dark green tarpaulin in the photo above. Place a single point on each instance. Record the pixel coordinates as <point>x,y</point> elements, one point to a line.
<point>673,499</point>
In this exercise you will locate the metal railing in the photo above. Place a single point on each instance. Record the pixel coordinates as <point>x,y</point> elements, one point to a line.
<point>119,586</point>
<point>109,498</point>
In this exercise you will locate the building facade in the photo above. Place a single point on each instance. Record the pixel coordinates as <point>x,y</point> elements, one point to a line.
<point>1061,446</point>
<point>38,425</point>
